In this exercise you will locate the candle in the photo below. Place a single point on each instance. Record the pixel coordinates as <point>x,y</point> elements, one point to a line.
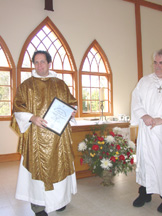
<point>102,96</point>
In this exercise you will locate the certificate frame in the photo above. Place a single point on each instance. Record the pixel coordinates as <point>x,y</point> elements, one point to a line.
<point>58,116</point>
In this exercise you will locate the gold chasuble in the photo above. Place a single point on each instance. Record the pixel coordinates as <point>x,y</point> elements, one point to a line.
<point>47,156</point>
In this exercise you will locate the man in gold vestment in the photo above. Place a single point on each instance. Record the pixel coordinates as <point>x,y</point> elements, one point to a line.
<point>46,175</point>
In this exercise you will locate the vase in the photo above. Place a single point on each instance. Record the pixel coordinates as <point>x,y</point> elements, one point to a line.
<point>107,178</point>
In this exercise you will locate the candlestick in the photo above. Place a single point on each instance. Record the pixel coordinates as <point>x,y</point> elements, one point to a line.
<point>102,117</point>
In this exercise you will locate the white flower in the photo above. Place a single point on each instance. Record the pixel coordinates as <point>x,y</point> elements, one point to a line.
<point>117,130</point>
<point>131,144</point>
<point>82,146</point>
<point>110,139</point>
<point>106,163</point>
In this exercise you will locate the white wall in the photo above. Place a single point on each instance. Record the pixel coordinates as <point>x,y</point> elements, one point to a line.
<point>151,36</point>
<point>110,22</point>
<point>155,1</point>
<point>8,138</point>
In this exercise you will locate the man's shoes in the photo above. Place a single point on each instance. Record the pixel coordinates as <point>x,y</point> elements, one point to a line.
<point>61,209</point>
<point>142,198</point>
<point>42,213</point>
<point>159,209</point>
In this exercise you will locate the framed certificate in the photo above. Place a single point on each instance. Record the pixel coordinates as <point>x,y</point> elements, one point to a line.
<point>58,115</point>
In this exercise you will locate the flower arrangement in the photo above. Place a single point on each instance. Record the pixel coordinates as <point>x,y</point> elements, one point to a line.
<point>107,152</point>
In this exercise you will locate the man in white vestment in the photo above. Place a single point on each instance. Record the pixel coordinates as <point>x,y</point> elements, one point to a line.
<point>146,112</point>
<point>47,175</point>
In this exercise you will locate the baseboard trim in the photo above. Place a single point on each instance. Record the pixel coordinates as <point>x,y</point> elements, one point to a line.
<point>84,174</point>
<point>17,157</point>
<point>10,157</point>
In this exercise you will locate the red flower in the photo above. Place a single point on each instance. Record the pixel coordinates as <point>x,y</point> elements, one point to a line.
<point>132,161</point>
<point>113,159</point>
<point>95,147</point>
<point>121,157</point>
<point>131,150</point>
<point>112,133</point>
<point>107,153</point>
<point>81,161</point>
<point>119,135</point>
<point>103,152</point>
<point>100,157</point>
<point>100,138</point>
<point>118,147</point>
<point>128,154</point>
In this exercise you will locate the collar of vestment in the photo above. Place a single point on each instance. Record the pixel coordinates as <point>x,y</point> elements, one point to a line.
<point>51,74</point>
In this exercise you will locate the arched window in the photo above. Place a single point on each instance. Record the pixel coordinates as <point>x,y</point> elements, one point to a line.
<point>7,81</point>
<point>95,79</point>
<point>47,37</point>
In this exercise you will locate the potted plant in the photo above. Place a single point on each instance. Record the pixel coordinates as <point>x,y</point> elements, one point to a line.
<point>107,154</point>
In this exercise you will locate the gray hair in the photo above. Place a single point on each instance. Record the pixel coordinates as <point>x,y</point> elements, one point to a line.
<point>158,52</point>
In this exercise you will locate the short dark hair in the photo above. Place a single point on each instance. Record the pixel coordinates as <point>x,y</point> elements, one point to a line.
<point>48,56</point>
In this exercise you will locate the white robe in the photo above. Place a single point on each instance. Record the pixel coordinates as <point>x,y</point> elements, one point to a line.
<point>33,191</point>
<point>146,99</point>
